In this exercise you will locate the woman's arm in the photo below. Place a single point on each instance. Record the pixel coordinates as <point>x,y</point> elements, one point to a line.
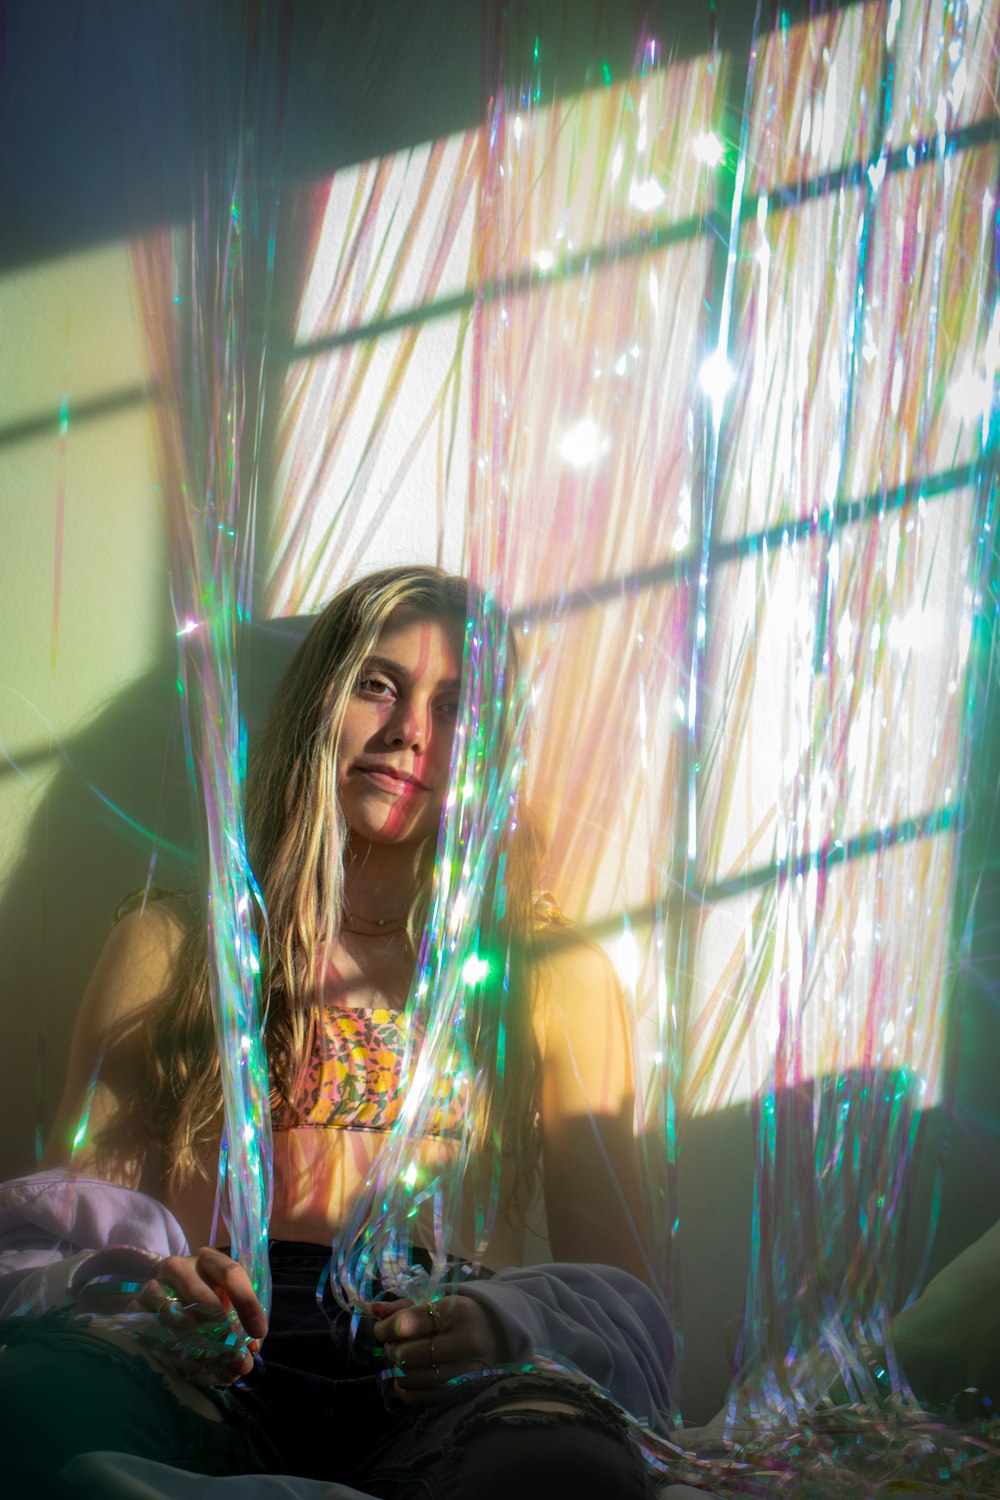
<point>79,1230</point>
<point>105,1059</point>
<point>579,1311</point>
<point>590,1161</point>
<point>55,1222</point>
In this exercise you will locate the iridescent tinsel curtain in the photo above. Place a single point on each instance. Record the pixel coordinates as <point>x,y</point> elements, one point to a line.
<point>195,287</point>
<point>845,574</point>
<point>712,349</point>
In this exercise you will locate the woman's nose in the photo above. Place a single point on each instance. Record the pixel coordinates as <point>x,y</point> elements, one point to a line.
<point>407,727</point>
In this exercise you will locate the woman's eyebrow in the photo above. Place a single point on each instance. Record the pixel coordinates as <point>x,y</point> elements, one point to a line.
<point>384,664</point>
<point>387,664</point>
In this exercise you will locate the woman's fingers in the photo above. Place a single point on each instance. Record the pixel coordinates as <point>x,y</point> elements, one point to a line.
<point>433,1344</point>
<point>198,1315</point>
<point>383,1310</point>
<point>235,1284</point>
<point>208,1292</point>
<point>213,1280</point>
<point>411,1320</point>
<point>386,1313</point>
<point>458,1345</point>
<point>197,1334</point>
<point>416,1367</point>
<point>179,1277</point>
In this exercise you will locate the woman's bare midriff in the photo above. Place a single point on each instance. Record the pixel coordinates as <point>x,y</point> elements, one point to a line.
<point>319,1171</point>
<point>317,1176</point>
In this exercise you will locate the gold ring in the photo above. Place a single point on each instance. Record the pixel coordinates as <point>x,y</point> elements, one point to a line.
<point>433,1313</point>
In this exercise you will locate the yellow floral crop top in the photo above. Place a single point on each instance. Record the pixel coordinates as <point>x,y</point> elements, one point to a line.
<point>353,1078</point>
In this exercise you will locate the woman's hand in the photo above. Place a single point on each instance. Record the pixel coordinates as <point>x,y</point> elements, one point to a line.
<point>203,1317</point>
<point>434,1342</point>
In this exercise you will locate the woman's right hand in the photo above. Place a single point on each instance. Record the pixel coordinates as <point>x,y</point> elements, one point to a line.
<point>199,1308</point>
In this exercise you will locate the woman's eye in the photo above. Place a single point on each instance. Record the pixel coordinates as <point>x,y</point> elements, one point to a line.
<point>376,686</point>
<point>449,707</point>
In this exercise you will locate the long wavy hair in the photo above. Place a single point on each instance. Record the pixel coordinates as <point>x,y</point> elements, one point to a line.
<point>296,840</point>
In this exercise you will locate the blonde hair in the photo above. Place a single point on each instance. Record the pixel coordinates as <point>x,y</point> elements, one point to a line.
<point>296,839</point>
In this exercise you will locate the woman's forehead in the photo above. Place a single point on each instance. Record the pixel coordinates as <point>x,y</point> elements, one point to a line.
<point>422,643</point>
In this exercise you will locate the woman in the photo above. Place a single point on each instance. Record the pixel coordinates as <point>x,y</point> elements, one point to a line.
<point>344,799</point>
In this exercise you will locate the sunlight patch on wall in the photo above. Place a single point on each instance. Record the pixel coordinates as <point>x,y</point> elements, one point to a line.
<point>81,583</point>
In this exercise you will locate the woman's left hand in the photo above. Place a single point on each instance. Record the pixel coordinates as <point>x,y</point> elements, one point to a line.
<point>431,1343</point>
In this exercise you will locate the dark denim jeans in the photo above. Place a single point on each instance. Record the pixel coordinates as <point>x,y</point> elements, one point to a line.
<point>316,1405</point>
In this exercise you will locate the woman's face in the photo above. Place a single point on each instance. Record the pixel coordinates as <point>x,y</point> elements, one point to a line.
<point>395,743</point>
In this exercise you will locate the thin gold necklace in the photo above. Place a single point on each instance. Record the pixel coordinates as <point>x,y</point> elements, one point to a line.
<point>381,927</point>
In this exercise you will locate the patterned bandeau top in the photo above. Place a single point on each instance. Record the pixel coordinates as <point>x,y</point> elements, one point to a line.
<point>353,1078</point>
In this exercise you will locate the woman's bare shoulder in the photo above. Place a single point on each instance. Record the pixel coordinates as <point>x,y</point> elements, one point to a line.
<point>134,969</point>
<point>575,985</point>
<point>137,960</point>
<point>564,957</point>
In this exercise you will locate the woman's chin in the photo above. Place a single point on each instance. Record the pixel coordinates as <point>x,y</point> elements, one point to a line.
<point>381,817</point>
<point>390,833</point>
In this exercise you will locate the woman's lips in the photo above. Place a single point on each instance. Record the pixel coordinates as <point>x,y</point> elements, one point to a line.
<point>399,786</point>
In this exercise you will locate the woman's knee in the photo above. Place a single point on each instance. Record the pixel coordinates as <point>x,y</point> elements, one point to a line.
<point>536,1452</point>
<point>571,1411</point>
<point>58,1402</point>
<point>548,1442</point>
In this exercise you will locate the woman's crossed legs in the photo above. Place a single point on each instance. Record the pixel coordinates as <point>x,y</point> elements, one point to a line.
<point>525,1434</point>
